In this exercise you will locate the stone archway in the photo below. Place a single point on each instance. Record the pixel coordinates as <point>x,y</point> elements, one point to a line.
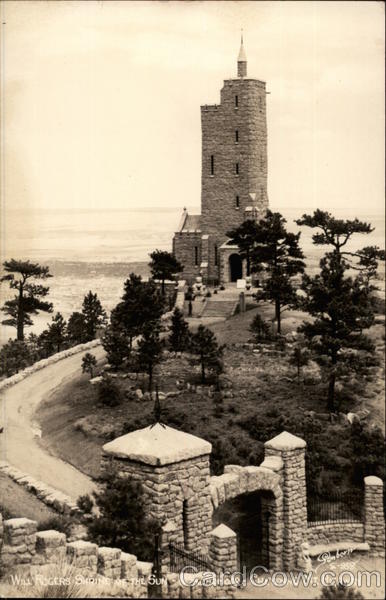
<point>238,481</point>
<point>249,517</point>
<point>235,267</point>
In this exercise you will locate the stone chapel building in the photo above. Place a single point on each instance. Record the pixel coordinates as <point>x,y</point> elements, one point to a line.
<point>233,179</point>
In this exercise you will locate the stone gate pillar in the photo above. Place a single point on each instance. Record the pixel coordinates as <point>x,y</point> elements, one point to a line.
<point>373,517</point>
<point>173,468</point>
<point>291,450</point>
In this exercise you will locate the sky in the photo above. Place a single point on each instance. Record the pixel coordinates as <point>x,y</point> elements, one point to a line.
<point>101,100</point>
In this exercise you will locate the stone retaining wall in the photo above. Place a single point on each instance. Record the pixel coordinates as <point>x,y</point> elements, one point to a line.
<point>23,547</point>
<point>45,362</point>
<point>337,532</point>
<point>50,496</point>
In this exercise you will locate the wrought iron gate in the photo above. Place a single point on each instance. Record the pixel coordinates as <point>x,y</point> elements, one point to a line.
<point>180,558</point>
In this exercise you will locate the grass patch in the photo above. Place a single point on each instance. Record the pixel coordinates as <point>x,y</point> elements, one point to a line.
<point>15,501</point>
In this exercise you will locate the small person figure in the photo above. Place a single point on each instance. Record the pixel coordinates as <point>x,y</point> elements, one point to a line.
<point>190,308</point>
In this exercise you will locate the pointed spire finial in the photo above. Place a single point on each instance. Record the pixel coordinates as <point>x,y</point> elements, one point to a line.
<point>242,60</point>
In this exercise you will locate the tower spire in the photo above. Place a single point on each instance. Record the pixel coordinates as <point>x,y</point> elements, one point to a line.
<point>242,60</point>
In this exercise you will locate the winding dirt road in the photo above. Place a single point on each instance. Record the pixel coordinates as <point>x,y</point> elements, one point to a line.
<point>19,442</point>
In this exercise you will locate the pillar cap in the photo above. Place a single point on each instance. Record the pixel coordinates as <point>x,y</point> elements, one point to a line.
<point>372,480</point>
<point>223,531</point>
<point>285,441</point>
<point>157,445</point>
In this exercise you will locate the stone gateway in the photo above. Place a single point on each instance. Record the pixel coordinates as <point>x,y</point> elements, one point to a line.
<point>233,179</point>
<point>173,468</point>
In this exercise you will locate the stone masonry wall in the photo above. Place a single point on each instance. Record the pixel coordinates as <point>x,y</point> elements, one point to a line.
<point>183,249</point>
<point>335,532</point>
<point>177,493</point>
<point>45,362</point>
<point>31,552</point>
<point>219,124</point>
<point>374,515</point>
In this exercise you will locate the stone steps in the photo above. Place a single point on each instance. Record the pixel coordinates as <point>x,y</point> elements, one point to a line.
<point>219,308</point>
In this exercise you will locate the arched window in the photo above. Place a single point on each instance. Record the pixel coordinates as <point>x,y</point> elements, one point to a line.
<point>237,201</point>
<point>236,101</point>
<point>215,256</point>
<point>212,164</point>
<point>237,168</point>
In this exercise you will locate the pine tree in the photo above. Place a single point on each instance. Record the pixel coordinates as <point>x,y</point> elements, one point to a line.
<point>179,332</point>
<point>28,299</point>
<point>164,265</point>
<point>260,329</point>
<point>122,521</point>
<point>300,357</point>
<point>149,349</point>
<point>57,331</point>
<point>116,344</point>
<point>141,303</point>
<point>341,305</point>
<point>94,314</point>
<point>209,354</point>
<point>89,362</point>
<point>14,356</point>
<point>76,328</point>
<point>245,237</point>
<point>277,254</point>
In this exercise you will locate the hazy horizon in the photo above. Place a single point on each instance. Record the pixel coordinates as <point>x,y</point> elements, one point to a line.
<point>101,101</point>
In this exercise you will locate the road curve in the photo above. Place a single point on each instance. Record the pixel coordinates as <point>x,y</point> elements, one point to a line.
<point>19,442</point>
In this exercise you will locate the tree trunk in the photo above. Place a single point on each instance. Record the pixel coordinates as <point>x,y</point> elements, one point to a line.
<point>331,392</point>
<point>20,317</point>
<point>150,373</point>
<point>163,287</point>
<point>278,315</point>
<point>202,371</point>
<point>248,264</point>
<point>298,372</point>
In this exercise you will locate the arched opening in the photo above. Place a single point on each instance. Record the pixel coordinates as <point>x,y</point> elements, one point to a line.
<point>248,515</point>
<point>235,267</point>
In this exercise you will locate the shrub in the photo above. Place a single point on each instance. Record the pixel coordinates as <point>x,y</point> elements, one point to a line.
<point>122,521</point>
<point>109,392</point>
<point>85,503</point>
<point>340,592</point>
<point>260,329</point>
<point>208,294</point>
<point>58,523</point>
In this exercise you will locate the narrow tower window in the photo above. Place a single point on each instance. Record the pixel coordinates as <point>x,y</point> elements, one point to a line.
<point>185,522</point>
<point>236,101</point>
<point>216,256</point>
<point>237,168</point>
<point>237,201</point>
<point>212,164</point>
<point>196,255</point>
<point>237,135</point>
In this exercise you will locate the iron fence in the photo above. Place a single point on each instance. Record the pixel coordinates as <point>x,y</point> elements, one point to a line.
<point>180,558</point>
<point>337,508</point>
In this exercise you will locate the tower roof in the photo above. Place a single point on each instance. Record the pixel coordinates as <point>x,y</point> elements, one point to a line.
<point>242,56</point>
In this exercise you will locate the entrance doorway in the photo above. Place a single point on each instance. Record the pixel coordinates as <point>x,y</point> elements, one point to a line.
<point>247,516</point>
<point>235,267</point>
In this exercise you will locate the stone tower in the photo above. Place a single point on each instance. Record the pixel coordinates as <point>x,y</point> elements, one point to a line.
<point>233,177</point>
